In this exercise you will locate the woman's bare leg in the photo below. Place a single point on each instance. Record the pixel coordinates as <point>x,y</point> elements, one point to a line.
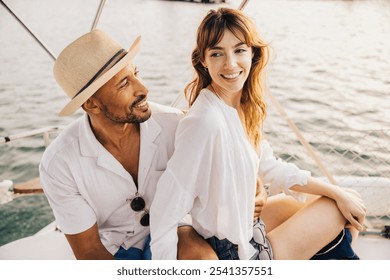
<point>278,209</point>
<point>308,231</point>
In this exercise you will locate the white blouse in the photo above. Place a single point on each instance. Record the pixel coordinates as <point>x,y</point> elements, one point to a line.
<point>212,175</point>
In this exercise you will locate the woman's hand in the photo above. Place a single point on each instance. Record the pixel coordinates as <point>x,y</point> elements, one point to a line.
<point>349,201</point>
<point>351,205</point>
<point>260,199</point>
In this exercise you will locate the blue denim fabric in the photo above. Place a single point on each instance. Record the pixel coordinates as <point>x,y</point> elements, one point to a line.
<point>339,249</point>
<point>226,250</point>
<point>135,253</point>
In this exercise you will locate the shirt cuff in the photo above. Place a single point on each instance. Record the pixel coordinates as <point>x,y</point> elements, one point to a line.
<point>186,221</point>
<point>300,178</point>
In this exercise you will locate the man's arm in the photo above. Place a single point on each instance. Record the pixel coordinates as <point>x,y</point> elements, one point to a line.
<point>88,246</point>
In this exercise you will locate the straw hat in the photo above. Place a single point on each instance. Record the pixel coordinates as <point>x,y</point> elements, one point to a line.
<point>87,64</point>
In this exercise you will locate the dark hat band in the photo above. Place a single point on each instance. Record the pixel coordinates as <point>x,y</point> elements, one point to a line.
<point>105,66</point>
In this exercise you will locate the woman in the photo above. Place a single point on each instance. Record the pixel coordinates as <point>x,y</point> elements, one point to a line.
<point>219,154</point>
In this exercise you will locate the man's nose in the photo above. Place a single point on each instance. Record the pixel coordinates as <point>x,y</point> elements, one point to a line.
<point>140,88</point>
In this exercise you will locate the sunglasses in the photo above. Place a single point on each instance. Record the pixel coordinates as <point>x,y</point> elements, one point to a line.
<point>138,204</point>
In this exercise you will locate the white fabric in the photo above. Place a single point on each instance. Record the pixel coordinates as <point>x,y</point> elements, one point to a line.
<point>212,174</point>
<point>280,175</point>
<point>85,184</point>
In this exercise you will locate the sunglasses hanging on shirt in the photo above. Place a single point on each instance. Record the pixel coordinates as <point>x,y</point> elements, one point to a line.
<point>137,204</point>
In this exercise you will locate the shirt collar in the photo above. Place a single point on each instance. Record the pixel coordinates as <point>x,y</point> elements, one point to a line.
<point>91,147</point>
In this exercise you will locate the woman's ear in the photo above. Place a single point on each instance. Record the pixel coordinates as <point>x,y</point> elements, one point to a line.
<point>205,66</point>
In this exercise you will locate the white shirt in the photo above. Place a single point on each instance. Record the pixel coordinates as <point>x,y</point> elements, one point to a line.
<point>212,174</point>
<point>85,184</point>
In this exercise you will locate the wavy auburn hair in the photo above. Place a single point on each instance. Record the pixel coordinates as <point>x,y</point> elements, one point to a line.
<point>209,34</point>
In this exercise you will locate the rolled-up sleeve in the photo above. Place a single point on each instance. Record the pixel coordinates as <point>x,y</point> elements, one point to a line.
<point>280,175</point>
<point>67,204</point>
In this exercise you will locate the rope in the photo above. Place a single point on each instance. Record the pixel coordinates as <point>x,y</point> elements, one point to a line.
<point>243,4</point>
<point>290,123</point>
<point>300,137</point>
<point>293,127</point>
<point>29,31</point>
<point>98,13</point>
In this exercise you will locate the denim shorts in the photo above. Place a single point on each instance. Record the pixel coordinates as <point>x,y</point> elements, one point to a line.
<point>226,250</point>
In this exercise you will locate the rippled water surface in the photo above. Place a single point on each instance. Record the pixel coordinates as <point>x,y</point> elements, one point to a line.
<point>330,70</point>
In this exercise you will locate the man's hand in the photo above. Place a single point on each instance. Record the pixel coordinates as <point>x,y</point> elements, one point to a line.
<point>260,199</point>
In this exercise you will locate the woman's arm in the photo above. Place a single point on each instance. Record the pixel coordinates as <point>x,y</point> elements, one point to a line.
<point>349,202</point>
<point>288,178</point>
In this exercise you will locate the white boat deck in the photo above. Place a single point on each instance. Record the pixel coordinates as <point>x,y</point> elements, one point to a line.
<point>52,245</point>
<point>372,247</point>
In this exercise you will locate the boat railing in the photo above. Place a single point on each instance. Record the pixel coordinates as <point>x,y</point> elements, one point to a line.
<point>45,132</point>
<point>356,154</point>
<point>357,159</point>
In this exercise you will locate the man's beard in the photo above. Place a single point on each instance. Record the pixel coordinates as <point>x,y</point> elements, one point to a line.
<point>129,118</point>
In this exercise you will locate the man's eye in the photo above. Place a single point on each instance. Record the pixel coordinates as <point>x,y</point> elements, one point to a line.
<point>124,84</point>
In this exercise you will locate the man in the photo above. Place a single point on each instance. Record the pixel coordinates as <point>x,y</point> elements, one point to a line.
<point>101,172</point>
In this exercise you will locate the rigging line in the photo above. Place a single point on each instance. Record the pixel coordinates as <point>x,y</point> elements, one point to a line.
<point>98,13</point>
<point>29,31</point>
<point>290,123</point>
<point>243,4</point>
<point>294,128</point>
<point>300,137</point>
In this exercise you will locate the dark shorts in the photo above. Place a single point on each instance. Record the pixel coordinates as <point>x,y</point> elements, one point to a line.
<point>339,249</point>
<point>226,250</point>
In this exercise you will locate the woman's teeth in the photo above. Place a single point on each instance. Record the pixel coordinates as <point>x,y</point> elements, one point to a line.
<point>231,76</point>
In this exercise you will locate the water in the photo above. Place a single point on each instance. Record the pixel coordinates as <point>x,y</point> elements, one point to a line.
<point>330,70</point>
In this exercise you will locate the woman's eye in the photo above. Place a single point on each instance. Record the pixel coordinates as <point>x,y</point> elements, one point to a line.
<point>241,50</point>
<point>215,54</point>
